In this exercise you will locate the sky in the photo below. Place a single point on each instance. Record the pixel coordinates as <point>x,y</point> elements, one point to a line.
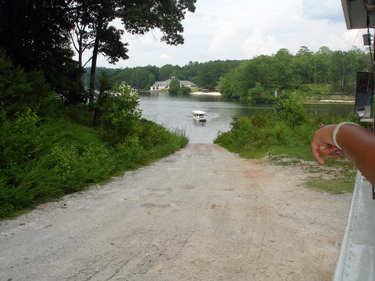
<point>243,29</point>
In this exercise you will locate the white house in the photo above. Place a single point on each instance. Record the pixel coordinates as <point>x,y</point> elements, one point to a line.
<point>160,85</point>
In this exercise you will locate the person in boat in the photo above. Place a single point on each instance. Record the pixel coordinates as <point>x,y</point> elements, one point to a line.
<point>348,138</point>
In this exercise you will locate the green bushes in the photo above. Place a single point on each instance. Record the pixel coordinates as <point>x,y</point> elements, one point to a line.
<point>120,114</point>
<point>19,141</point>
<point>174,86</point>
<point>185,90</point>
<point>290,126</point>
<point>44,160</point>
<point>291,111</point>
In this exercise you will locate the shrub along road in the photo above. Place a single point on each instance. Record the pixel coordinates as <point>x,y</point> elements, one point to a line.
<point>202,213</point>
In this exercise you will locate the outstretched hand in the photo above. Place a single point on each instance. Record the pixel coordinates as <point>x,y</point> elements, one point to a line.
<point>322,144</point>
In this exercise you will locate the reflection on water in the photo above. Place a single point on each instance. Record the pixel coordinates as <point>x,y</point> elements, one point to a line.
<point>176,112</point>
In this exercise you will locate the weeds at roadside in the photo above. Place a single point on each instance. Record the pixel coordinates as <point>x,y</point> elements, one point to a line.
<point>334,178</point>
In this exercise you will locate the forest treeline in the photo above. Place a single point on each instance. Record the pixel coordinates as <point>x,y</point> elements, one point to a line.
<point>258,78</point>
<point>206,74</point>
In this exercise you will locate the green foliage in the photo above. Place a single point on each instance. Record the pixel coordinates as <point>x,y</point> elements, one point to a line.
<point>290,126</point>
<point>19,141</point>
<point>73,170</point>
<point>259,95</point>
<point>151,81</point>
<point>291,111</point>
<point>283,71</point>
<point>122,114</point>
<point>251,137</point>
<point>44,160</point>
<point>209,73</point>
<point>130,150</point>
<point>144,77</point>
<point>93,22</point>
<point>305,88</point>
<point>101,98</point>
<point>20,90</point>
<point>35,35</point>
<point>174,86</point>
<point>185,90</point>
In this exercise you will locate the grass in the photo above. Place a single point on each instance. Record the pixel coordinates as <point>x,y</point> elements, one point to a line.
<point>336,177</point>
<point>332,186</point>
<point>323,89</point>
<point>195,90</point>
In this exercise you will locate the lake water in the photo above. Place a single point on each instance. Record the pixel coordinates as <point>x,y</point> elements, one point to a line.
<point>176,112</point>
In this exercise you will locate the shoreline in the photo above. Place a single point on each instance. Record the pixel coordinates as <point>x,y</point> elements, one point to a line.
<point>206,93</point>
<point>328,101</point>
<point>348,101</point>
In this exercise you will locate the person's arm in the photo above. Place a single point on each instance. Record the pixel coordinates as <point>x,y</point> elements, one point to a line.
<point>355,141</point>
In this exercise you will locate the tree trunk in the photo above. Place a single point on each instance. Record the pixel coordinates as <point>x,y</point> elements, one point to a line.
<point>93,63</point>
<point>93,69</point>
<point>80,50</point>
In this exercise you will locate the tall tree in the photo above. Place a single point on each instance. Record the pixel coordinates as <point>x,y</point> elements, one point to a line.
<point>165,72</point>
<point>151,80</point>
<point>174,86</point>
<point>304,51</point>
<point>209,74</point>
<point>34,34</point>
<point>138,17</point>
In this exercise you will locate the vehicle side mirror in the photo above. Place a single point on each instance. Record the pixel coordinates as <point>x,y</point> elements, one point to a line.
<point>364,94</point>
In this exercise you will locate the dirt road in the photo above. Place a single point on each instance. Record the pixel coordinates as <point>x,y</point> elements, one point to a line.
<point>202,213</point>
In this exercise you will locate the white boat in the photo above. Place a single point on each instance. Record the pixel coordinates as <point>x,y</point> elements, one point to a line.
<point>199,115</point>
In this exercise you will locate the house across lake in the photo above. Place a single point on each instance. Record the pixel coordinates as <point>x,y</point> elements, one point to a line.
<point>160,85</point>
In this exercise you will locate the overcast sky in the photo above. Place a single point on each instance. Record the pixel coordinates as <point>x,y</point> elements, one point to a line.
<point>242,29</point>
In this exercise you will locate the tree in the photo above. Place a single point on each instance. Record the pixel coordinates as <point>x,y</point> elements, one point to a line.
<point>138,17</point>
<point>34,34</point>
<point>283,55</point>
<point>154,70</point>
<point>291,111</point>
<point>304,51</point>
<point>151,80</point>
<point>174,86</point>
<point>302,69</point>
<point>263,70</point>
<point>209,74</point>
<point>257,94</point>
<point>340,66</point>
<point>20,90</point>
<point>343,67</point>
<point>93,30</point>
<point>139,78</point>
<point>122,113</point>
<point>165,72</point>
<point>224,85</point>
<point>324,50</point>
<point>101,105</point>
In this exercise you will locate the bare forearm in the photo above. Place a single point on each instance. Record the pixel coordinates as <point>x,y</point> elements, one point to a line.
<point>359,144</point>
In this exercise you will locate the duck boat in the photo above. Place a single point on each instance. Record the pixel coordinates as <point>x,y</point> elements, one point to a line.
<point>199,115</point>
